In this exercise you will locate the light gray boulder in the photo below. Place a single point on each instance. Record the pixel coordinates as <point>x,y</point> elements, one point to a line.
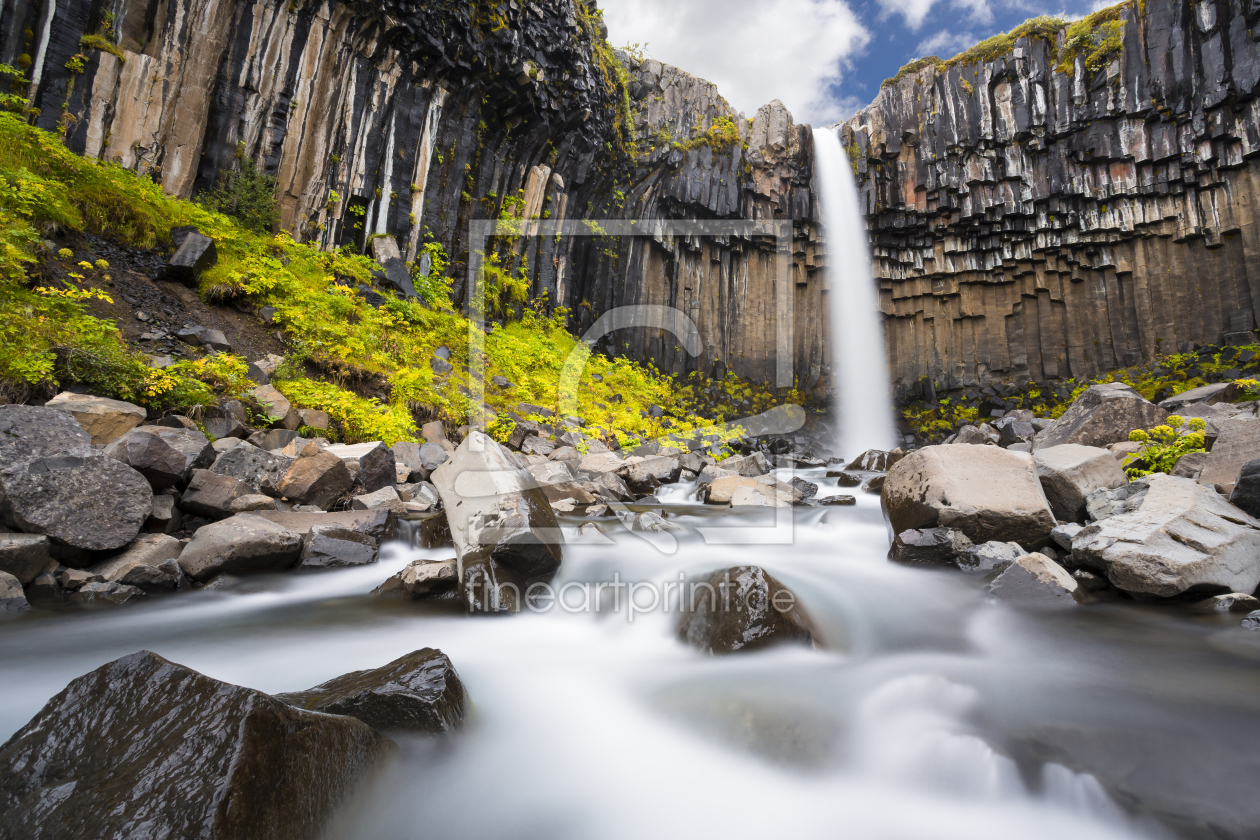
<point>23,555</point>
<point>371,464</point>
<point>211,495</point>
<point>337,547</point>
<point>320,479</point>
<point>986,492</point>
<point>1220,392</point>
<point>242,544</point>
<point>165,456</point>
<point>252,502</point>
<point>104,594</point>
<point>78,498</point>
<point>1035,579</point>
<point>1233,602</point>
<point>423,579</point>
<point>1101,415</point>
<point>1237,443</point>
<point>494,506</point>
<point>1175,536</point>
<point>256,467</point>
<point>1125,499</point>
<point>1190,465</point>
<point>1070,472</point>
<point>645,476</point>
<point>12,598</point>
<point>28,432</point>
<point>1065,533</point>
<point>104,419</point>
<point>164,516</point>
<point>278,406</point>
<point>988,557</point>
<point>384,497</point>
<point>150,563</point>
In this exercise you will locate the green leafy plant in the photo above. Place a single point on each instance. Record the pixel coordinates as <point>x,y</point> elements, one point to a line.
<point>247,195</point>
<point>1164,445</point>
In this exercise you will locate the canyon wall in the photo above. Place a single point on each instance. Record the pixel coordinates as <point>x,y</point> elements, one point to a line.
<point>1034,222</point>
<point>414,117</point>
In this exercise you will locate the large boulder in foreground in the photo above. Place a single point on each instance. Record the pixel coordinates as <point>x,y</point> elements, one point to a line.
<point>1070,472</point>
<point>986,492</point>
<point>104,419</point>
<point>1179,535</point>
<point>741,608</point>
<point>79,498</point>
<point>28,432</point>
<point>165,456</point>
<point>144,748</point>
<point>492,503</point>
<point>242,544</point>
<point>419,692</point>
<point>1101,415</point>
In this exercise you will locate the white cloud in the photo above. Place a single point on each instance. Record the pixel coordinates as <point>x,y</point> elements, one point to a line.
<point>945,44</point>
<point>755,51</point>
<point>914,11</point>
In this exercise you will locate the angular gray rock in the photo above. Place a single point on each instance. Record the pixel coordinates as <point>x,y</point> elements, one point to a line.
<point>423,579</point>
<point>385,497</point>
<point>493,504</point>
<point>1104,503</point>
<point>194,255</point>
<point>252,502</point>
<point>242,544</point>
<point>371,464</point>
<point>1065,533</point>
<point>78,767</point>
<point>1237,443</point>
<point>1070,472</point>
<point>79,499</point>
<point>1035,579</point>
<point>989,557</point>
<point>165,456</point>
<point>28,432</point>
<point>872,460</point>
<point>104,419</point>
<point>277,407</point>
<point>320,479</point>
<point>1178,535</point>
<point>220,425</point>
<point>380,524</point>
<point>419,692</point>
<point>929,547</point>
<point>1246,493</point>
<point>407,454</point>
<point>211,495</point>
<point>165,516</point>
<point>741,608</point>
<point>259,469</point>
<point>23,556</point>
<point>986,492</point>
<point>1101,415</point>
<point>1207,394</point>
<point>1190,465</point>
<point>104,594</point>
<point>273,439</point>
<point>150,564</point>
<point>1232,602</point>
<point>205,338</point>
<point>645,476</point>
<point>337,547</point>
<point>12,598</point>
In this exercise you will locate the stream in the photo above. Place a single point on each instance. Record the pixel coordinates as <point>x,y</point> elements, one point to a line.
<point>927,710</point>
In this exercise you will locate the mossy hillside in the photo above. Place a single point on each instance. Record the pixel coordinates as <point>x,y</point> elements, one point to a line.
<point>1167,376</point>
<point>49,339</point>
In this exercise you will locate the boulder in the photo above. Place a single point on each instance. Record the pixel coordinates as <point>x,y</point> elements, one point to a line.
<point>252,502</point>
<point>104,594</point>
<point>929,547</point>
<point>610,488</point>
<point>241,544</point>
<point>761,495</point>
<point>1190,465</point>
<point>843,501</point>
<point>220,425</point>
<point>277,407</point>
<point>806,489</point>
<point>1220,392</point>
<point>1246,492</point>
<point>150,564</point>
<point>988,557</point>
<point>971,436</point>
<point>205,338</point>
<point>487,586</point>
<point>28,432</point>
<point>1104,503</point>
<point>493,504</point>
<point>1173,537</point>
<point>12,598</point>
<point>194,255</point>
<point>419,692</point>
<point>1237,443</point>
<point>314,419</point>
<point>1252,621</point>
<point>423,579</point>
<point>79,499</point>
<point>1233,602</point>
<point>537,445</point>
<point>872,460</point>
<point>1062,535</point>
<point>337,547</point>
<point>256,467</point>
<point>599,463</point>
<point>720,491</point>
<point>1035,579</point>
<point>104,419</point>
<point>1070,472</point>
<point>380,524</point>
<point>384,497</point>
<point>1101,415</point>
<point>986,492</point>
<point>164,516</point>
<point>165,456</point>
<point>420,493</point>
<point>23,556</point>
<point>407,457</point>
<point>1014,432</point>
<point>371,464</point>
<point>742,608</point>
<point>211,495</point>
<point>650,473</point>
<point>142,747</point>
<point>273,439</point>
<point>320,479</point>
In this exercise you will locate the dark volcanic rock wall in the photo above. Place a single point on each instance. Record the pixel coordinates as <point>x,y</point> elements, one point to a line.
<point>414,117</point>
<point>1031,223</point>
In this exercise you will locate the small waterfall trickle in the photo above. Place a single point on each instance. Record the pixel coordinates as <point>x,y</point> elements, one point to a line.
<point>862,395</point>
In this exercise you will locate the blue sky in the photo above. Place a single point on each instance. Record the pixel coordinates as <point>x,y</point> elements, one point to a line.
<point>822,58</point>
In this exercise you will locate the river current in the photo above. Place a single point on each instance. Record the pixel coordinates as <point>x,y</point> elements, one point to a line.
<point>927,711</point>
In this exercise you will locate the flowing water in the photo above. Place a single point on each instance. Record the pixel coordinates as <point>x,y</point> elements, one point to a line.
<point>862,393</point>
<point>927,710</point>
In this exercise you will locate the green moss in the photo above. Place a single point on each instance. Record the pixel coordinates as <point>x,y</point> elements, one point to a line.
<point>721,135</point>
<point>100,42</point>
<point>913,67</point>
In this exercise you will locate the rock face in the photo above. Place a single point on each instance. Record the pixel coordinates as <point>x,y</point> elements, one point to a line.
<point>1180,535</point>
<point>741,608</point>
<point>1030,222</point>
<point>166,457</point>
<point>986,492</point>
<point>79,499</point>
<point>241,544</point>
<point>1069,473</point>
<point>494,505</point>
<point>1102,415</point>
<point>79,767</point>
<point>419,692</point>
<point>104,419</point>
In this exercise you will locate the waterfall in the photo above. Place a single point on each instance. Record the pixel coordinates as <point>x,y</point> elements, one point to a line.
<point>859,367</point>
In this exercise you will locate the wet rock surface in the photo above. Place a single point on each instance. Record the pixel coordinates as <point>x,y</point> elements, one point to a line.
<point>419,692</point>
<point>741,608</point>
<point>929,547</point>
<point>1035,579</point>
<point>242,544</point>
<point>79,767</point>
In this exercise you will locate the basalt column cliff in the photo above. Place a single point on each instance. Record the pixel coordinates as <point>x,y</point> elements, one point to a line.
<point>412,118</point>
<point>1035,216</point>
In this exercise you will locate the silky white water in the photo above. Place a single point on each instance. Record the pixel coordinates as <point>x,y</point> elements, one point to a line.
<point>863,398</point>
<point>927,711</point>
